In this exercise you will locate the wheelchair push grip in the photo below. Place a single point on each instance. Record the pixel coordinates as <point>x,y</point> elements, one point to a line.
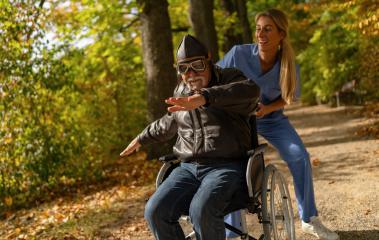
<point>260,149</point>
<point>167,158</point>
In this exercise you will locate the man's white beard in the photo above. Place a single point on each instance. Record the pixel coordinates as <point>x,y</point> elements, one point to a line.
<point>196,83</point>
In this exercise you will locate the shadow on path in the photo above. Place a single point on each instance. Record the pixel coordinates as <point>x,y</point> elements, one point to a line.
<point>359,235</point>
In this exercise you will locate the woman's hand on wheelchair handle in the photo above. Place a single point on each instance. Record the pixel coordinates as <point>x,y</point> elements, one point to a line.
<point>262,110</point>
<point>133,146</point>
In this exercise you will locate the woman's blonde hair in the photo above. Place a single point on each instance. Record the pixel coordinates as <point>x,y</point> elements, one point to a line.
<point>287,55</point>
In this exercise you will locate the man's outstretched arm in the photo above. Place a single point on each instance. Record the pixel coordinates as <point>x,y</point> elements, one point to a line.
<point>133,145</point>
<point>161,130</point>
<point>240,97</point>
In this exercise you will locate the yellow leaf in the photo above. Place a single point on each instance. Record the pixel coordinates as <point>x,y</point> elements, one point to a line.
<point>137,40</point>
<point>8,139</point>
<point>59,217</point>
<point>315,162</point>
<point>8,201</point>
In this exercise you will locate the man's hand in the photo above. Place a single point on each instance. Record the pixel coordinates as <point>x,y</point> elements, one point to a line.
<point>133,145</point>
<point>185,103</point>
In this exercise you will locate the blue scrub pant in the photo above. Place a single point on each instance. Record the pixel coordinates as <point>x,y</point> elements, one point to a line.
<point>204,192</point>
<point>281,134</point>
<point>284,138</point>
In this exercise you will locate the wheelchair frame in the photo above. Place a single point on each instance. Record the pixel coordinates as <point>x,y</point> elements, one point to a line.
<point>269,197</point>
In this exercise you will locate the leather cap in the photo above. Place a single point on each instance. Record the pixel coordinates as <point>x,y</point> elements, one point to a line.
<point>190,48</point>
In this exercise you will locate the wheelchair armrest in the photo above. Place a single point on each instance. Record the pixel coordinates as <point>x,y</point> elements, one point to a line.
<point>260,149</point>
<point>167,158</point>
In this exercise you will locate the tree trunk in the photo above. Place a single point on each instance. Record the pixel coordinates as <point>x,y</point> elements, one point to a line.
<point>241,33</point>
<point>202,21</point>
<point>157,57</point>
<point>232,36</point>
<point>247,36</point>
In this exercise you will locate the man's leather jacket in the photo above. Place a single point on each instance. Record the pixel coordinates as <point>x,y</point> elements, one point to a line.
<point>220,130</point>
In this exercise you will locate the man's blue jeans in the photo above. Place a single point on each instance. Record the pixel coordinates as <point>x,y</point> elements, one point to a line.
<point>205,192</point>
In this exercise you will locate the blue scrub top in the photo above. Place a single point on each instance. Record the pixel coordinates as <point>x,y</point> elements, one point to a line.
<point>246,58</point>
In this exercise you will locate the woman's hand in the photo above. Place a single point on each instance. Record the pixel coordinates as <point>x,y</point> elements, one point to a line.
<point>185,103</point>
<point>262,110</point>
<point>133,145</point>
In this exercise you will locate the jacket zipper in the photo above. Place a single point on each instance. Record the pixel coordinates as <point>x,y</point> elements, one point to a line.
<point>201,127</point>
<point>194,133</point>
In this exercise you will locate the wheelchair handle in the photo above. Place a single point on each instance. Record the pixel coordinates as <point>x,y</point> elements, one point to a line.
<point>167,158</point>
<point>260,149</point>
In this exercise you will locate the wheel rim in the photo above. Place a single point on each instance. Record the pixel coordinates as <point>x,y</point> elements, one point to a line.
<point>277,209</point>
<point>266,199</point>
<point>281,209</point>
<point>290,224</point>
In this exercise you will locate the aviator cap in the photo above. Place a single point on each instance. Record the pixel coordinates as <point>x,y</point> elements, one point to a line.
<point>189,48</point>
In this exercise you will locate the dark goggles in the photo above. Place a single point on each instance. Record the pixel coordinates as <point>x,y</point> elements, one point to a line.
<point>197,66</point>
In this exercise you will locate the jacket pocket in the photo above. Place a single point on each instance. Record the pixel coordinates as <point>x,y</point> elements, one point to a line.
<point>212,136</point>
<point>184,143</point>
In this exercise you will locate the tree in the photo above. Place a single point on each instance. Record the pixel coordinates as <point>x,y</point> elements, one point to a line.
<point>39,135</point>
<point>238,29</point>
<point>157,56</point>
<point>202,21</point>
<point>244,21</point>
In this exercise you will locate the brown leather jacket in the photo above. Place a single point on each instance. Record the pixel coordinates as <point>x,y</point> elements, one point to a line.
<point>220,130</point>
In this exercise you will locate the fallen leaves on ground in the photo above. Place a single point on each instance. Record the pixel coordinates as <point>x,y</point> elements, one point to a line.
<point>35,222</point>
<point>370,110</point>
<point>29,224</point>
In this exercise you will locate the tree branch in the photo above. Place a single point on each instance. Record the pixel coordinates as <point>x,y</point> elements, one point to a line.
<point>123,28</point>
<point>180,29</point>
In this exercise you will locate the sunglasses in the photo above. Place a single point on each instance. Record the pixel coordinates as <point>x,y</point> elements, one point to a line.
<point>196,66</point>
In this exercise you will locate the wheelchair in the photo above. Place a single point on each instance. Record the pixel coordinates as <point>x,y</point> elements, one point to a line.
<point>269,197</point>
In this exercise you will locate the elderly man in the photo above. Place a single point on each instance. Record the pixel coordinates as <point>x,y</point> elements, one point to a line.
<point>210,112</point>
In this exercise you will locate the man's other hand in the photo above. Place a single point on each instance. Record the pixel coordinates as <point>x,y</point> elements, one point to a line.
<point>133,145</point>
<point>185,103</point>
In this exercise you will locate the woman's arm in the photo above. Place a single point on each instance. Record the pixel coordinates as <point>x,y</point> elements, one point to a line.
<point>266,109</point>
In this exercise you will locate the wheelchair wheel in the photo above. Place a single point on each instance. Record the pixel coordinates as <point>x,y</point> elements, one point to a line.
<point>277,213</point>
<point>165,171</point>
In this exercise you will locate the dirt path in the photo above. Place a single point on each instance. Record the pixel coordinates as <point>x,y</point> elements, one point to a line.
<point>346,181</point>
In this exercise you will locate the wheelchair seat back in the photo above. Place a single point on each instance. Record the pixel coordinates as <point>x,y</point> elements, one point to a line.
<point>256,166</point>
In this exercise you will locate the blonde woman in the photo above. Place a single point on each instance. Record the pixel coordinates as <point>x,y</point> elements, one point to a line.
<point>270,63</point>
